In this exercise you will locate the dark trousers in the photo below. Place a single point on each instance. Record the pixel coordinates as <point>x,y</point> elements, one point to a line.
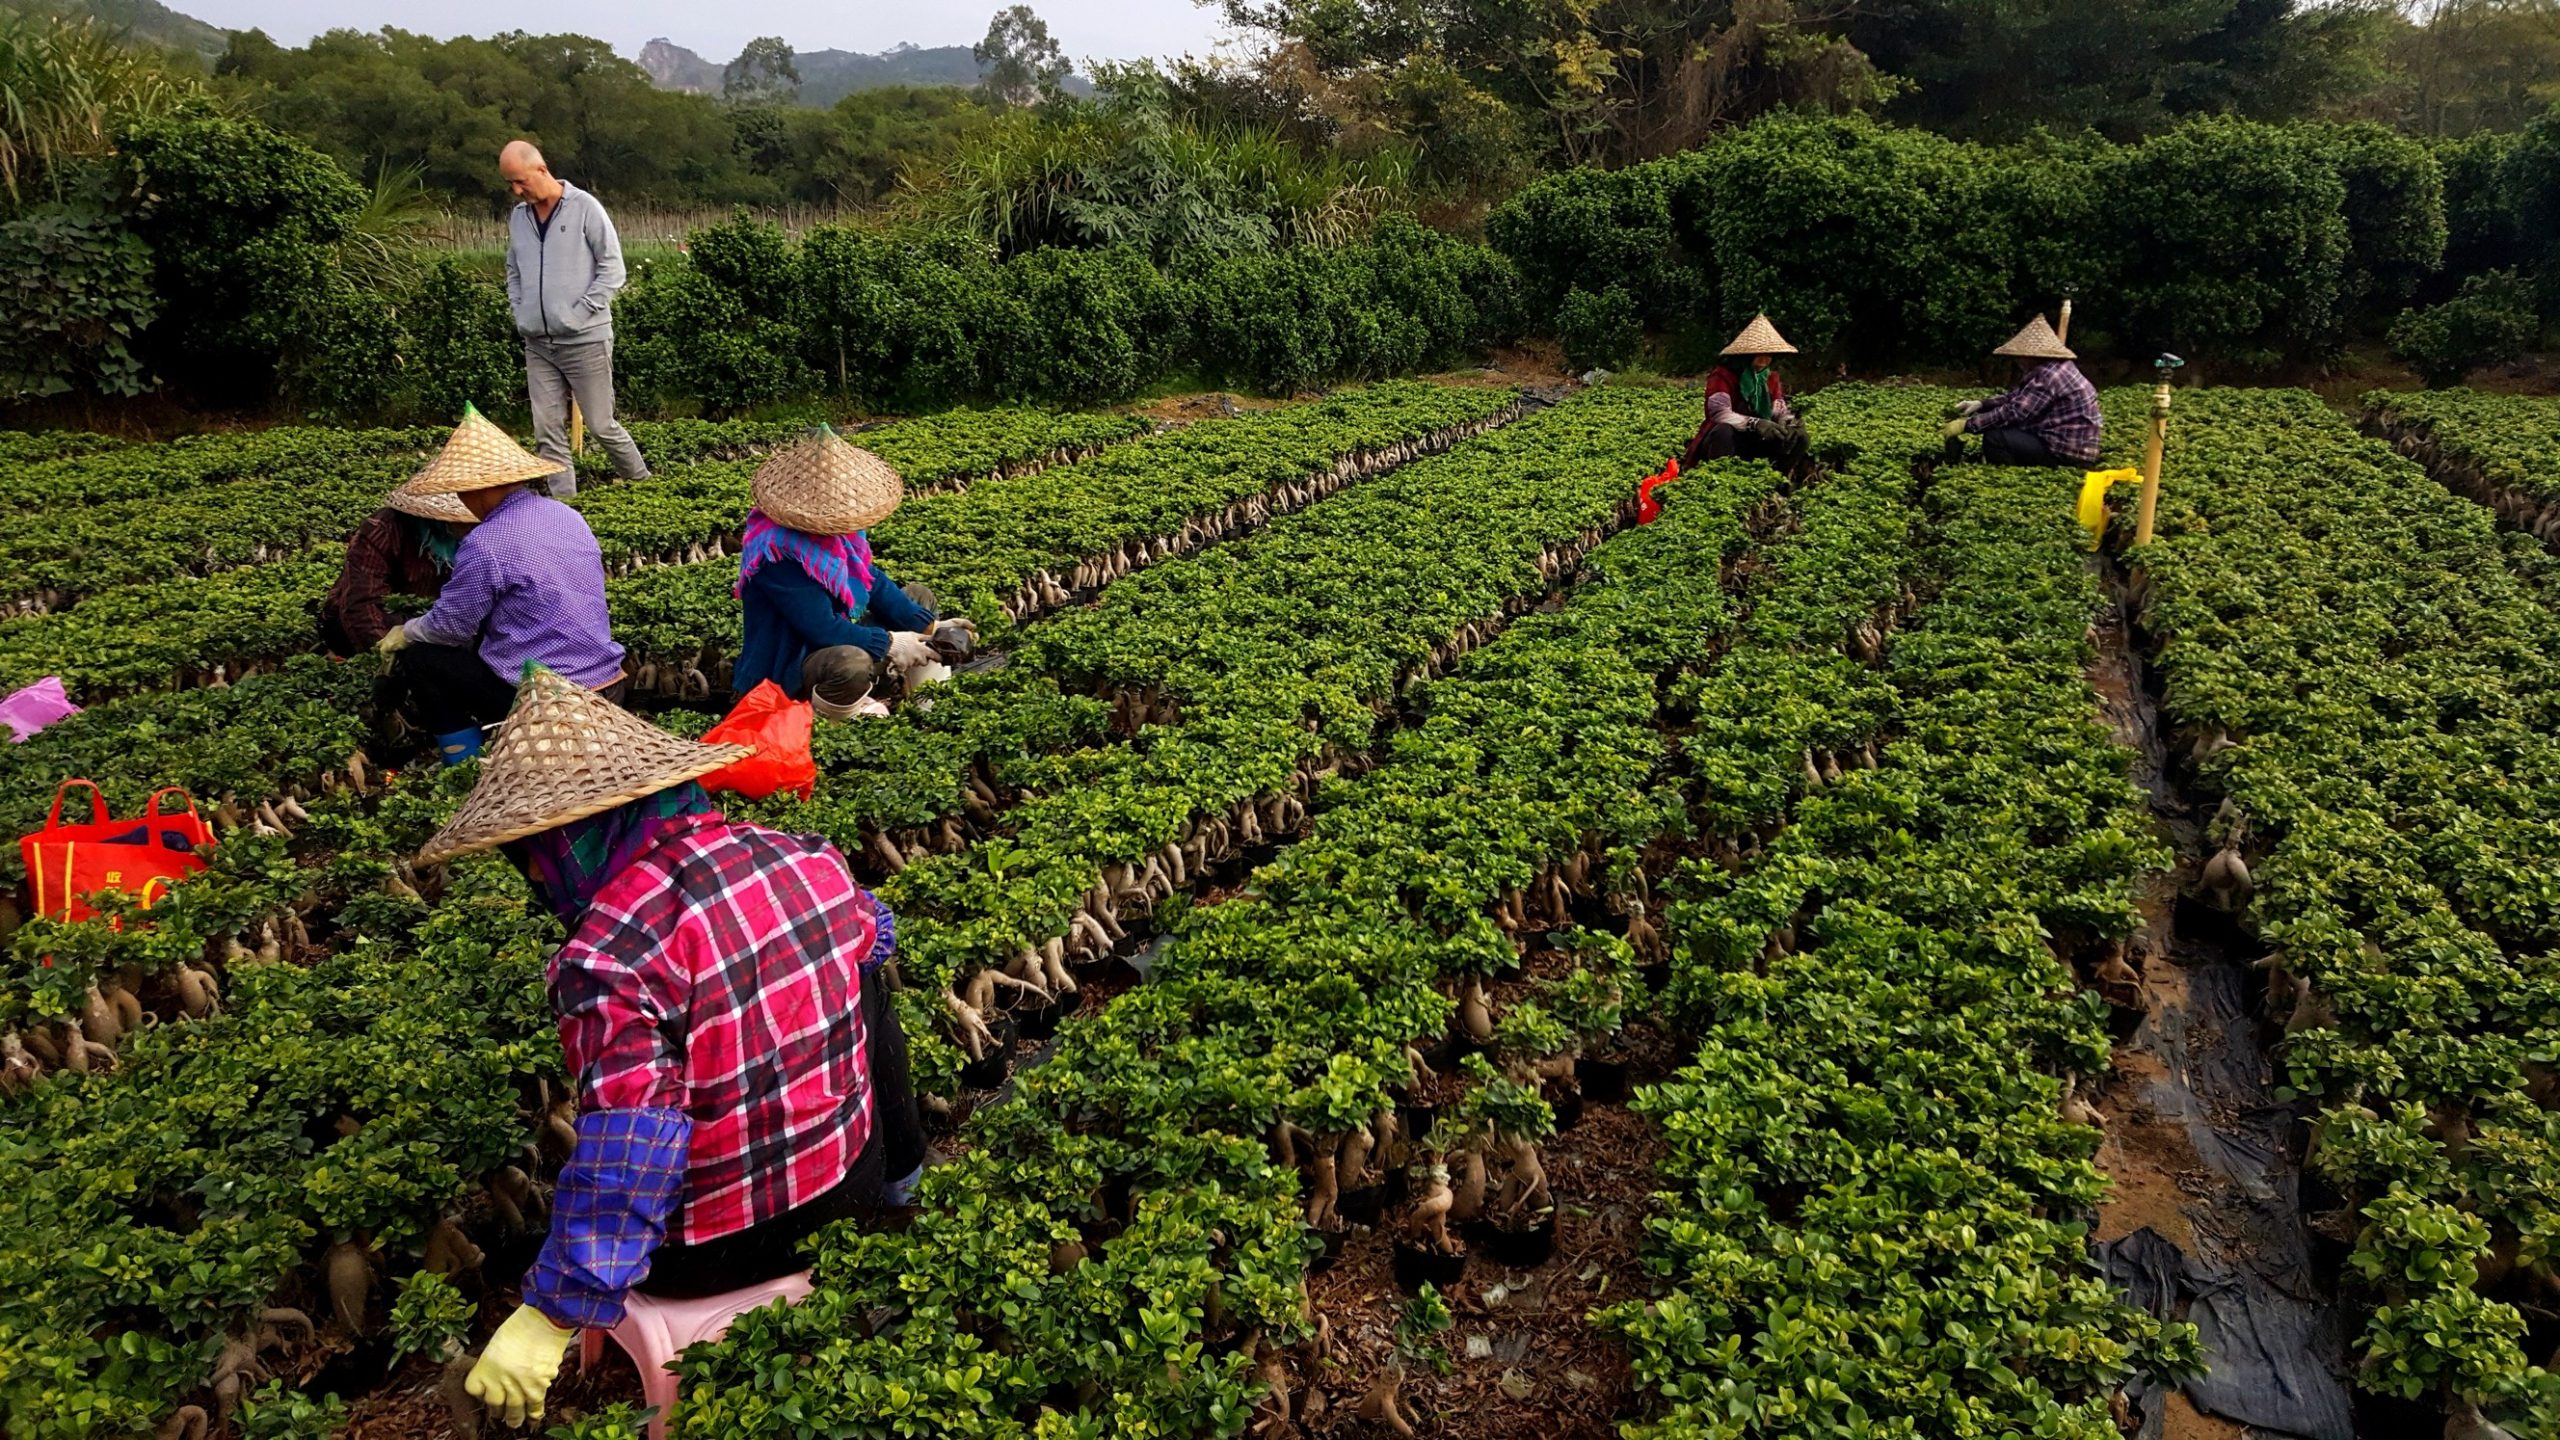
<point>444,688</point>
<point>843,674</point>
<point>2017,447</point>
<point>772,1249</point>
<point>1786,450</point>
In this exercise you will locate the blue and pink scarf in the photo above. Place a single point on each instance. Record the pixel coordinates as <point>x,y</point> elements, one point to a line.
<point>841,564</point>
<point>570,864</point>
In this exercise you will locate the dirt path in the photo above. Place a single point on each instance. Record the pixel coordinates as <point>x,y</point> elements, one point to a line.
<point>2201,1154</point>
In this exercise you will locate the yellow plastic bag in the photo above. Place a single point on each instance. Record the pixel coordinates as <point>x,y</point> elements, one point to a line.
<point>2094,485</point>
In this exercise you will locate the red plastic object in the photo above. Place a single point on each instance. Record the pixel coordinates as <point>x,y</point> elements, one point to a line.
<point>1649,509</point>
<point>778,727</point>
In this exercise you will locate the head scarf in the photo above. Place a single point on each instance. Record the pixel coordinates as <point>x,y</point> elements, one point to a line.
<point>841,564</point>
<point>1752,388</point>
<point>438,543</point>
<point>569,864</point>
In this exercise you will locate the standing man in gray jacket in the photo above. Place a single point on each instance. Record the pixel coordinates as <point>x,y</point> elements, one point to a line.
<point>564,262</point>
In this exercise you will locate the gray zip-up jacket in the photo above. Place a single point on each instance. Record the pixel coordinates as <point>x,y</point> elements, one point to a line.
<point>561,277</point>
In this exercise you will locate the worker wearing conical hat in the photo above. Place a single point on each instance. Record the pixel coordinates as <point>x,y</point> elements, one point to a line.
<point>739,1070</point>
<point>527,588</point>
<point>1747,410</point>
<point>822,619</point>
<point>405,548</point>
<point>2049,418</point>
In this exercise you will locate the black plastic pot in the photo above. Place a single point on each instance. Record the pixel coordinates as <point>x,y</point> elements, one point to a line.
<point>1603,1082</point>
<point>1361,1206</point>
<point>1568,1107</point>
<point>989,1073</point>
<point>1333,1240</point>
<point>1417,1121</point>
<point>1521,1249</point>
<point>1655,976</point>
<point>1418,1265</point>
<point>1040,1022</point>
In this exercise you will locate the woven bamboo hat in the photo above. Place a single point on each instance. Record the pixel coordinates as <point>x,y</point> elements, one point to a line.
<point>479,456</point>
<point>562,754</point>
<point>826,487</point>
<point>1759,338</point>
<point>2036,342</point>
<point>429,507</point>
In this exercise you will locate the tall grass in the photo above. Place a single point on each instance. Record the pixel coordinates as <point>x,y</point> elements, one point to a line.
<point>65,86</point>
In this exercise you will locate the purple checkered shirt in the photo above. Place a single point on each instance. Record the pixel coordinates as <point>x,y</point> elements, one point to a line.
<point>2056,403</point>
<point>528,584</point>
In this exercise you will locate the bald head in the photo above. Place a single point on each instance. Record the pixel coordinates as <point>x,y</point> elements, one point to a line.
<point>527,174</point>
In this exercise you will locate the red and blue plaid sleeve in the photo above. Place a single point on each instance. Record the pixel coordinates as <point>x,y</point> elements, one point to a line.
<point>609,1213</point>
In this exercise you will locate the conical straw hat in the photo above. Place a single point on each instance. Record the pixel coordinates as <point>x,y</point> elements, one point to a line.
<point>1759,338</point>
<point>429,507</point>
<point>826,487</point>
<point>479,455</point>
<point>2036,342</point>
<point>562,754</point>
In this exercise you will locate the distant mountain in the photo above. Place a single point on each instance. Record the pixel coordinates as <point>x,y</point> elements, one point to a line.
<point>148,21</point>
<point>673,67</point>
<point>826,76</point>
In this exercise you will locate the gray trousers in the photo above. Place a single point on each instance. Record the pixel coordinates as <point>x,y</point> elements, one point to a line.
<point>580,366</point>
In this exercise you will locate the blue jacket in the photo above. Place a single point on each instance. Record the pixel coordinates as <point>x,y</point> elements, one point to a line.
<point>788,615</point>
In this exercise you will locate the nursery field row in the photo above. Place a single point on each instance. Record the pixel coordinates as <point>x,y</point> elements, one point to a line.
<point>1019,547</point>
<point>1872,1224</point>
<point>1150,1199</point>
<point>221,1187</point>
<point>281,494</point>
<point>288,732</point>
<point>2369,672</point>
<point>2500,450</point>
<point>215,628</point>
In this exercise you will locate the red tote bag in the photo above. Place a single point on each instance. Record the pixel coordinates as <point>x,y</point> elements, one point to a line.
<point>140,857</point>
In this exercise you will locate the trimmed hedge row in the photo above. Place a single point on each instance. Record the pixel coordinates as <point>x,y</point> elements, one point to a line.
<point>2223,239</point>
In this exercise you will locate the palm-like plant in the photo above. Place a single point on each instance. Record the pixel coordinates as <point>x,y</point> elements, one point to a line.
<point>65,87</point>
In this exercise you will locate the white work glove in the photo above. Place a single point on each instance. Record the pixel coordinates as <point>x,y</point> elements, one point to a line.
<point>393,641</point>
<point>1968,407</point>
<point>515,1373</point>
<point>907,650</point>
<point>956,622</point>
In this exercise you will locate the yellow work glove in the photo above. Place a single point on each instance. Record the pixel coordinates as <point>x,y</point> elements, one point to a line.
<point>515,1372</point>
<point>393,641</point>
<point>1955,428</point>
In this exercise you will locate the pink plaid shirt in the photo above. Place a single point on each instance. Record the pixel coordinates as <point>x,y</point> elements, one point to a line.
<point>719,976</point>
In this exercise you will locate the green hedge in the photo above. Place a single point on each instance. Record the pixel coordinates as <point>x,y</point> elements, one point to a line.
<point>2222,238</point>
<point>911,320</point>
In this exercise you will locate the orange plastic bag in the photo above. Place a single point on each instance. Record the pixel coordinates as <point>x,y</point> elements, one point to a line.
<point>778,727</point>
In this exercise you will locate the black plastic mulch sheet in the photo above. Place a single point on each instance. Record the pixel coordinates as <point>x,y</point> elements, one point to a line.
<point>2274,1346</point>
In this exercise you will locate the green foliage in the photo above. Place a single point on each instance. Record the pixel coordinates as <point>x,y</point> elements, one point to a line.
<point>1424,1320</point>
<point>1130,171</point>
<point>431,1318</point>
<point>2382,790</point>
<point>2232,240</point>
<point>2491,321</point>
<point>1599,328</point>
<point>2483,229</point>
<point>279,1412</point>
<point>1593,223</point>
<point>75,297</point>
<point>241,222</point>
<point>67,86</point>
<point>2395,210</point>
<point>714,331</point>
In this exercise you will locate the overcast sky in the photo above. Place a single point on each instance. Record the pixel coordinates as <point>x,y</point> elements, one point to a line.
<point>1107,29</point>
